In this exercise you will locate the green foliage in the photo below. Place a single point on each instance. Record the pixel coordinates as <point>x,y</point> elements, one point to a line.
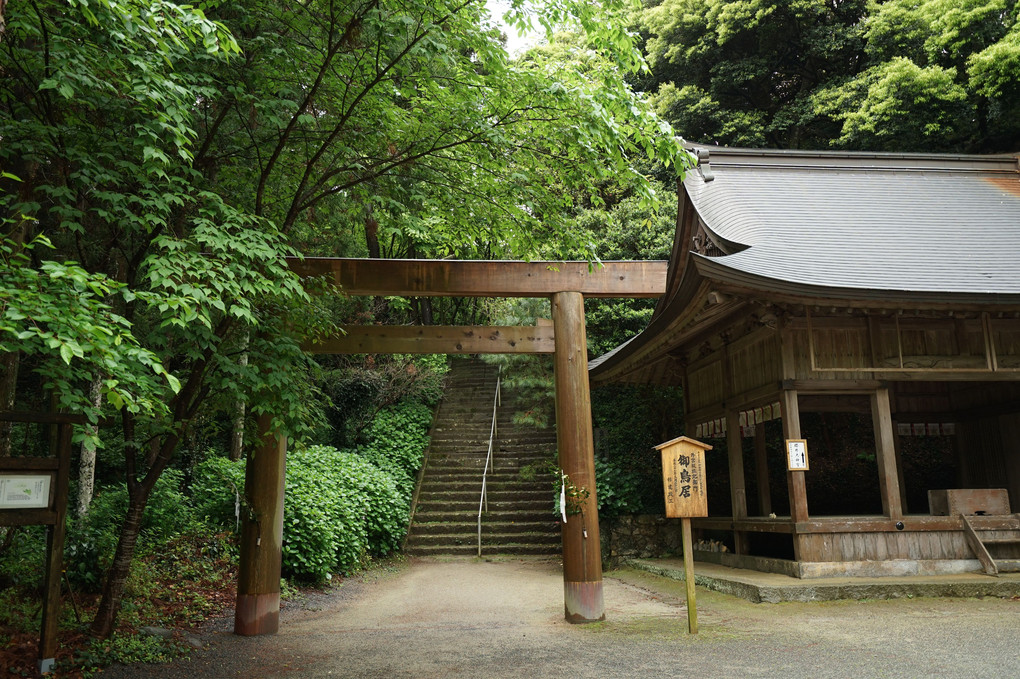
<point>21,562</point>
<point>396,442</point>
<point>529,376</point>
<point>627,231</point>
<point>742,71</point>
<point>127,649</point>
<point>90,541</point>
<point>359,390</point>
<point>629,421</point>
<point>340,509</point>
<point>571,498</point>
<point>903,105</point>
<point>217,491</point>
<point>341,506</point>
<point>899,75</point>
<point>623,488</point>
<point>61,310</point>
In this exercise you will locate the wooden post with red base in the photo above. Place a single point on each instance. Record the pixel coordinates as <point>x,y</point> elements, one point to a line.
<point>582,551</point>
<point>258,583</point>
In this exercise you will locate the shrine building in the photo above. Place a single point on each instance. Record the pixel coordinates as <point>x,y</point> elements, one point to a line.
<point>867,304</point>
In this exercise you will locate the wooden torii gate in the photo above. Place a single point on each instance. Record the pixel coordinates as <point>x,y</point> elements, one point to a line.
<point>565,284</point>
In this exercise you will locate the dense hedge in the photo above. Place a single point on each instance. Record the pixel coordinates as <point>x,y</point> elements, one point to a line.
<point>396,443</point>
<point>341,506</point>
<point>339,509</point>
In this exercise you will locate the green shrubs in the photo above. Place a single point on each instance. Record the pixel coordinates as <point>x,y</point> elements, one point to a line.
<point>217,491</point>
<point>397,439</point>
<point>90,542</point>
<point>631,420</point>
<point>339,509</point>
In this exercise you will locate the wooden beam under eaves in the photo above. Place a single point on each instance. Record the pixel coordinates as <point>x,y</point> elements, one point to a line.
<point>435,339</point>
<point>472,278</point>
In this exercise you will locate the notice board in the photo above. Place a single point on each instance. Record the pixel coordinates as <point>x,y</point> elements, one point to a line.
<point>684,482</point>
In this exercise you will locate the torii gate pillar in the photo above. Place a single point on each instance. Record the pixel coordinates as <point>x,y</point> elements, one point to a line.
<point>258,581</point>
<point>582,552</point>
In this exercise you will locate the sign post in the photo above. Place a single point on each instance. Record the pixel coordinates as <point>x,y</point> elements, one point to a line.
<point>685,486</point>
<point>33,491</point>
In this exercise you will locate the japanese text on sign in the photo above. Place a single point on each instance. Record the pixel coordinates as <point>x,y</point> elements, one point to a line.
<point>796,454</point>
<point>683,479</point>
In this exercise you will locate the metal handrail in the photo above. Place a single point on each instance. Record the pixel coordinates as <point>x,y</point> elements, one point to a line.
<point>483,501</point>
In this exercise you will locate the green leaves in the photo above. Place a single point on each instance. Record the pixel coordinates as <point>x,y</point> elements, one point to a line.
<point>906,105</point>
<point>341,508</point>
<point>928,75</point>
<point>63,314</point>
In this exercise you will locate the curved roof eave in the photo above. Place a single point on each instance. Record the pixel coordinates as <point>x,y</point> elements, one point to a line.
<point>717,270</point>
<point>675,313</point>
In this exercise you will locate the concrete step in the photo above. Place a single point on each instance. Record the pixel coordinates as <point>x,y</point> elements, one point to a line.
<point>488,528</point>
<point>425,507</point>
<point>496,491</point>
<point>500,495</point>
<point>467,449</point>
<point>474,485</point>
<point>471,537</point>
<point>509,549</point>
<point>541,515</point>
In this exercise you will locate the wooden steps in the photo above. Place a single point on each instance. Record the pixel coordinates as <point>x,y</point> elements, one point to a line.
<point>997,547</point>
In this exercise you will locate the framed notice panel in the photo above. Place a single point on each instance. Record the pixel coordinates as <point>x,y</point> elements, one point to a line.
<point>683,477</point>
<point>796,455</point>
<point>25,491</point>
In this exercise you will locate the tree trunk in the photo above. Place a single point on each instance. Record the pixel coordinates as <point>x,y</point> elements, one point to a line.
<point>9,364</point>
<point>87,462</point>
<point>372,235</point>
<point>138,497</point>
<point>113,588</point>
<point>425,315</point>
<point>237,435</point>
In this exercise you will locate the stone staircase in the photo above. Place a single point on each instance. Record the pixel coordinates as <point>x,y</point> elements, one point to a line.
<point>520,517</point>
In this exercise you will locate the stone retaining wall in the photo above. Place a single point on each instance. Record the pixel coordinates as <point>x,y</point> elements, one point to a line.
<point>641,536</point>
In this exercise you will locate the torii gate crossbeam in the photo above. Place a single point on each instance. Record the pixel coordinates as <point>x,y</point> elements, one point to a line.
<point>565,284</point>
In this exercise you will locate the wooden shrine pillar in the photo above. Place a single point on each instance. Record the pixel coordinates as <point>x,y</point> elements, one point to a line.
<point>258,582</point>
<point>791,430</point>
<point>885,454</point>
<point>582,551</point>
<point>795,479</point>
<point>738,488</point>
<point>761,462</point>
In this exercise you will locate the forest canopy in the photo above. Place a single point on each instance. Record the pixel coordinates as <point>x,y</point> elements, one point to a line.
<point>899,75</point>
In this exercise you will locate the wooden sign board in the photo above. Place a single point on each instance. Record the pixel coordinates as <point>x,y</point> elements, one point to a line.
<point>683,477</point>
<point>796,455</point>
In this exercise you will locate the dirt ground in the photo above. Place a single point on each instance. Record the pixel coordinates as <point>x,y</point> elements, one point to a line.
<point>504,618</point>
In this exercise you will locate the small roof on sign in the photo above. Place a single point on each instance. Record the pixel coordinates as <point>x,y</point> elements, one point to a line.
<point>683,439</point>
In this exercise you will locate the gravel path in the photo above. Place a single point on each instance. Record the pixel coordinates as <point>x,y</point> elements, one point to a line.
<point>477,619</point>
